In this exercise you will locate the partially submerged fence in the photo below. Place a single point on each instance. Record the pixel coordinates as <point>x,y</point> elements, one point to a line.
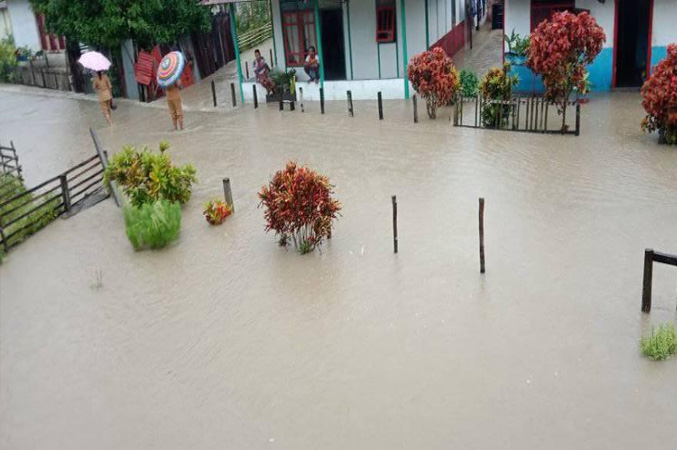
<point>651,257</point>
<point>528,114</point>
<point>30,210</point>
<point>9,161</point>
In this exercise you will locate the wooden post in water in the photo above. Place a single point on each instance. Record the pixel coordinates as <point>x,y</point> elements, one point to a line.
<point>351,111</point>
<point>482,268</point>
<point>545,126</point>
<point>648,278</point>
<point>214,93</point>
<point>64,192</point>
<point>256,96</point>
<point>519,106</point>
<point>246,67</point>
<point>228,193</point>
<point>578,119</point>
<point>292,103</point>
<point>395,241</point>
<point>321,100</point>
<point>301,98</point>
<point>414,99</point>
<point>380,105</point>
<point>271,57</point>
<point>477,108</point>
<point>281,91</point>
<point>232,94</point>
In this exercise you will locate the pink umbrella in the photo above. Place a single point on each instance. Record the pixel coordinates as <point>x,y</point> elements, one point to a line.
<point>94,61</point>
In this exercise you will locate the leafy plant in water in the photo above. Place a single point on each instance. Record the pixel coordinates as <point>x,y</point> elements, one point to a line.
<point>153,225</point>
<point>216,211</point>
<point>8,60</point>
<point>560,51</point>
<point>20,212</point>
<point>469,83</point>
<point>434,77</point>
<point>147,177</point>
<point>496,85</point>
<point>282,77</point>
<point>517,44</point>
<point>662,344</point>
<point>660,99</point>
<point>299,207</point>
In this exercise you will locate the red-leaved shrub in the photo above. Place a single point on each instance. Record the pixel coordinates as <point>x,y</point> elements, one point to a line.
<point>560,51</point>
<point>660,99</point>
<point>299,207</point>
<point>434,77</point>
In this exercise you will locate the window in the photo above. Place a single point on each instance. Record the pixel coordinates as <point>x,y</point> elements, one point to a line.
<point>543,9</point>
<point>298,30</point>
<point>385,21</point>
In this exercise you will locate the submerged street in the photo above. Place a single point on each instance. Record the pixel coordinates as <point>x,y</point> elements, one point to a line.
<point>226,340</point>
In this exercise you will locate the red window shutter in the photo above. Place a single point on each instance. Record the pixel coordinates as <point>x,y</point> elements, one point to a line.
<point>544,9</point>
<point>385,23</point>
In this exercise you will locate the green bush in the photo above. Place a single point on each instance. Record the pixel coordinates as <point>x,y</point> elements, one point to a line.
<point>10,187</point>
<point>662,344</point>
<point>469,83</point>
<point>8,59</point>
<point>147,177</point>
<point>497,85</point>
<point>153,225</point>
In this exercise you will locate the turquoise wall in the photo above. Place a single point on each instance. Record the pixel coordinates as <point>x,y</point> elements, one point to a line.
<point>601,71</point>
<point>657,54</point>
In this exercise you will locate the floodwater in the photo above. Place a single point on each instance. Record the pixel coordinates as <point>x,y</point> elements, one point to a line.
<point>225,340</point>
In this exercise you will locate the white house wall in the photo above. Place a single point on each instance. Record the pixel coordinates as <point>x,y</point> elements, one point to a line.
<point>24,24</point>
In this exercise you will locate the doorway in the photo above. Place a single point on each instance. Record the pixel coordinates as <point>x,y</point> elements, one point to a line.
<point>333,51</point>
<point>633,19</point>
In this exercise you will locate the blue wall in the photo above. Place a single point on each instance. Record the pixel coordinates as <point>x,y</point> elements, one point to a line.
<point>657,54</point>
<point>601,71</point>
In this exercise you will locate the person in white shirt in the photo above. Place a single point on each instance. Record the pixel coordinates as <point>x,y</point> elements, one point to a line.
<point>312,65</point>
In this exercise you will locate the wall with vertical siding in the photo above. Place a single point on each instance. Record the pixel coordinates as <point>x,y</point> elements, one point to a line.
<point>24,24</point>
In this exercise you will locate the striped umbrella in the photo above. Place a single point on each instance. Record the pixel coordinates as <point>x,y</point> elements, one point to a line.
<point>170,69</point>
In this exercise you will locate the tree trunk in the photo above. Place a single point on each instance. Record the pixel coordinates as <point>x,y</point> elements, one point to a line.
<point>73,54</point>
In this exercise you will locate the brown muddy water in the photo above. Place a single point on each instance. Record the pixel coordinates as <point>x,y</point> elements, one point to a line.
<point>225,340</point>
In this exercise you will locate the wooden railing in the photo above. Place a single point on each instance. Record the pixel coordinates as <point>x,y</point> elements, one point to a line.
<point>527,114</point>
<point>251,38</point>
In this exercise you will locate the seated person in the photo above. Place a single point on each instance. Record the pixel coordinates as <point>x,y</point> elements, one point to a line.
<point>262,72</point>
<point>312,65</point>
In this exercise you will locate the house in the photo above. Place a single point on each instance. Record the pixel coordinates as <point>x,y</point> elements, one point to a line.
<point>363,45</point>
<point>637,35</point>
<point>28,28</point>
<point>5,24</point>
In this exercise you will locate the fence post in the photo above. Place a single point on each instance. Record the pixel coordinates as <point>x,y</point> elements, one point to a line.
<point>301,98</point>
<point>214,93</point>
<point>232,94</point>
<point>281,90</point>
<point>246,67</point>
<point>482,235</point>
<point>648,278</point>
<point>16,159</point>
<point>64,192</point>
<point>380,105</point>
<point>292,103</point>
<point>477,108</point>
<point>44,82</point>
<point>349,94</point>
<point>578,119</point>
<point>271,57</point>
<point>56,81</point>
<point>256,97</point>
<point>322,100</point>
<point>414,98</point>
<point>395,240</point>
<point>228,193</point>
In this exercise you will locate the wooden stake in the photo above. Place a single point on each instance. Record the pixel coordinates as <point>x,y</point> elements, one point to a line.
<point>301,98</point>
<point>351,111</point>
<point>256,96</point>
<point>246,66</point>
<point>271,57</point>
<point>648,279</point>
<point>482,269</point>
<point>232,94</point>
<point>281,98</point>
<point>395,241</point>
<point>321,100</point>
<point>228,193</point>
<point>415,109</point>
<point>214,93</point>
<point>380,106</point>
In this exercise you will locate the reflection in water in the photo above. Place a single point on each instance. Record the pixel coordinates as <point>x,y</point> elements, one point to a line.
<point>225,340</point>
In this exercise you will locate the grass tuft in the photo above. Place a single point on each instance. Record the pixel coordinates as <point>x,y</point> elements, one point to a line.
<point>153,225</point>
<point>660,344</point>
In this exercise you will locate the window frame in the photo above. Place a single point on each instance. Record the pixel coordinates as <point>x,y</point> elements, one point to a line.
<point>389,33</point>
<point>306,35</point>
<point>552,6</point>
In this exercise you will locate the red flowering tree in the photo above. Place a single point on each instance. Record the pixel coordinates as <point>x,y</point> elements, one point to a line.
<point>434,77</point>
<point>660,99</point>
<point>299,207</point>
<point>560,51</point>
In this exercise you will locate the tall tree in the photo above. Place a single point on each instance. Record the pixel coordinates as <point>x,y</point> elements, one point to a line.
<point>107,23</point>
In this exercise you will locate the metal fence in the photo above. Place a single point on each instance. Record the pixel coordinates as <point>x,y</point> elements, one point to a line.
<point>532,114</point>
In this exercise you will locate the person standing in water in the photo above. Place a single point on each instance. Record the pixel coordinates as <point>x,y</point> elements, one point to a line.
<point>103,88</point>
<point>174,103</point>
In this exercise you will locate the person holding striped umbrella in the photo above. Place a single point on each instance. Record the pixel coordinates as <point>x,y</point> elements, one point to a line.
<point>169,78</point>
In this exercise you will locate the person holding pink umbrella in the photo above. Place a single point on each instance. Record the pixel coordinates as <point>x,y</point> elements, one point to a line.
<point>97,62</point>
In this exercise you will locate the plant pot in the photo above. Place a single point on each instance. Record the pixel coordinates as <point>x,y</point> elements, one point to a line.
<point>515,59</point>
